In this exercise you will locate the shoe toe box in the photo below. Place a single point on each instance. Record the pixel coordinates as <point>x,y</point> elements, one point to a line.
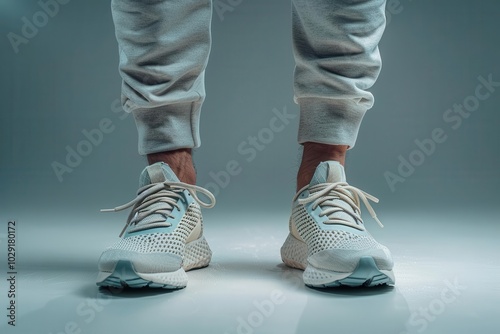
<point>346,260</point>
<point>142,262</point>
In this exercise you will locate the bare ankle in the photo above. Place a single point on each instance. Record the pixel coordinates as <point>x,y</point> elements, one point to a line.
<point>313,155</point>
<point>181,162</point>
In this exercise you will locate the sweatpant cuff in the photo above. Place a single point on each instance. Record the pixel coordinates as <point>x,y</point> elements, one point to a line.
<point>168,128</point>
<point>330,121</point>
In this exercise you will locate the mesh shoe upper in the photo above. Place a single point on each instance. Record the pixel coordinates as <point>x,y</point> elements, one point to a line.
<point>326,216</point>
<point>319,239</point>
<point>165,216</point>
<point>171,242</point>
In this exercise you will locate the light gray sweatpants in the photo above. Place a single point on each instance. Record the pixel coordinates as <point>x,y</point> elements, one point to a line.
<point>164,47</point>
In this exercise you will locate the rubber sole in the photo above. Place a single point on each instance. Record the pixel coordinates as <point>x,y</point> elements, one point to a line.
<point>366,274</point>
<point>125,275</point>
<point>197,254</point>
<point>294,254</point>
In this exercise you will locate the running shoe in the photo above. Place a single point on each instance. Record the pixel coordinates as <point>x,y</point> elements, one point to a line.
<point>328,238</point>
<point>163,237</point>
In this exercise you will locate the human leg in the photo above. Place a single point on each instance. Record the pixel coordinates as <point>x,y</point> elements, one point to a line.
<point>337,60</point>
<point>164,48</point>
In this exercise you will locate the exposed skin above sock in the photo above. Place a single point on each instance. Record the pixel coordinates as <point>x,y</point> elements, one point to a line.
<point>313,154</point>
<point>181,162</point>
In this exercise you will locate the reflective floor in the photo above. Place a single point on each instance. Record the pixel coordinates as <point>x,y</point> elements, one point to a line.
<point>447,270</point>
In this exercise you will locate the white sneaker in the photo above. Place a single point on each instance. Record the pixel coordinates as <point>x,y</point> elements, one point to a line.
<point>163,237</point>
<point>328,239</point>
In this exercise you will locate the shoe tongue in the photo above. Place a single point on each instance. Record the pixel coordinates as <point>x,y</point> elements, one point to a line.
<point>328,172</point>
<point>156,173</point>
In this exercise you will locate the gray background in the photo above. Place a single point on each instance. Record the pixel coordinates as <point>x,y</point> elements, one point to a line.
<point>65,80</point>
<point>441,223</point>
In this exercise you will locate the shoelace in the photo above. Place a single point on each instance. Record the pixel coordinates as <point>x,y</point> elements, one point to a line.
<point>166,193</point>
<point>325,194</point>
